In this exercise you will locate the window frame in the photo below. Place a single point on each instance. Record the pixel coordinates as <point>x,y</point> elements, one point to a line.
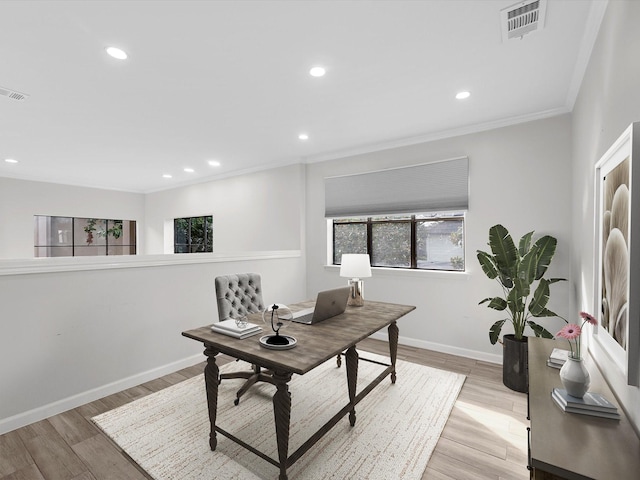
<point>208,220</point>
<point>414,220</point>
<point>89,229</point>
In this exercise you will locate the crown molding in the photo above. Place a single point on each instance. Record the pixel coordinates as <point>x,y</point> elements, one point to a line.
<point>443,134</point>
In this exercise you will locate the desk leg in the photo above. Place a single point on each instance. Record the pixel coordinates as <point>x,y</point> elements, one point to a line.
<point>393,348</point>
<point>352,380</point>
<point>211,380</point>
<point>282,414</point>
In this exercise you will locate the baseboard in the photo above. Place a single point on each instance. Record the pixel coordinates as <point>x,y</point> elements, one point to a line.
<point>46,411</point>
<point>438,347</point>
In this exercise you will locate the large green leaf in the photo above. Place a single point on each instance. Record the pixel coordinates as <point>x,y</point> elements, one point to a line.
<point>554,280</point>
<point>496,303</point>
<point>539,330</point>
<point>545,312</point>
<point>521,287</point>
<point>528,266</point>
<point>515,300</point>
<point>525,244</point>
<point>547,248</point>
<point>487,263</point>
<point>494,331</point>
<point>540,298</point>
<point>504,252</point>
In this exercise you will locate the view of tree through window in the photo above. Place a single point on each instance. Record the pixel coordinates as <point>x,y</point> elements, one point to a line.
<point>421,241</point>
<point>74,237</point>
<point>193,234</point>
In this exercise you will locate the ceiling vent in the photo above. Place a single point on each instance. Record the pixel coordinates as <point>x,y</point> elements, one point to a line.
<point>522,18</point>
<point>12,94</point>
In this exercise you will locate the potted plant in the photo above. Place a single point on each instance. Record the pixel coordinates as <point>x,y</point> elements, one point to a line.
<point>517,270</point>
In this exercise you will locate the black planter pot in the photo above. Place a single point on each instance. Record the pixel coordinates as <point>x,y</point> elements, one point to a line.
<point>515,362</point>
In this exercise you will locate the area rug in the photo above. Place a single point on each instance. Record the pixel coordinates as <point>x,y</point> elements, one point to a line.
<point>396,430</point>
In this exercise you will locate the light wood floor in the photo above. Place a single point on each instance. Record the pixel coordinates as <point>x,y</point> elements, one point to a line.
<point>484,438</point>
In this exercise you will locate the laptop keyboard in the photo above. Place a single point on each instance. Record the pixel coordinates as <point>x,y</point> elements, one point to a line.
<point>303,316</point>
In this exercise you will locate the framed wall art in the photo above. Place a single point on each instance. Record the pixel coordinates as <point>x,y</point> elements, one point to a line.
<point>617,252</point>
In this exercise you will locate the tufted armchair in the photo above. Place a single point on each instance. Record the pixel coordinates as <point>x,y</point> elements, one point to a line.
<point>239,295</point>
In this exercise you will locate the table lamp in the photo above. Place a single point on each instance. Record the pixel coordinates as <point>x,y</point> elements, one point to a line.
<point>355,266</point>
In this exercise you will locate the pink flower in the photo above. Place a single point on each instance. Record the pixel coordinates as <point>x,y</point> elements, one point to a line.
<point>570,332</point>
<point>589,318</point>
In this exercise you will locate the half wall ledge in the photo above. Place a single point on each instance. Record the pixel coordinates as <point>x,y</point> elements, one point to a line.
<point>73,264</point>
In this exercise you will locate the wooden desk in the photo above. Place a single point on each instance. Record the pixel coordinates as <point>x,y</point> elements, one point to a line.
<point>316,344</point>
<point>572,446</point>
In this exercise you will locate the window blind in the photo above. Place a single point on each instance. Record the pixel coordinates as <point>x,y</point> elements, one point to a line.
<point>429,187</point>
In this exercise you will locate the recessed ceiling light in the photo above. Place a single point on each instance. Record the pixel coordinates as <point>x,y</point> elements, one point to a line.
<point>189,170</point>
<point>303,136</point>
<point>116,53</point>
<point>462,95</point>
<point>166,175</point>
<point>10,160</point>
<point>214,163</point>
<point>317,71</point>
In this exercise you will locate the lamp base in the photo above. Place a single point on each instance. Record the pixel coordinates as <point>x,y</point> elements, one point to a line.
<point>356,298</point>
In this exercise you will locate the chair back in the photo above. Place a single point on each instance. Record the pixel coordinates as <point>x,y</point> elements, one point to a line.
<point>238,295</point>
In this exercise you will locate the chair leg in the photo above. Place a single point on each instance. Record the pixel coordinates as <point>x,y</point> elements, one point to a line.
<point>250,381</point>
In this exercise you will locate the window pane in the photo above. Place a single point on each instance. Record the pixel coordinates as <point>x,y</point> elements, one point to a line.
<point>114,232</point>
<point>349,238</point>
<point>391,244</point>
<point>91,250</point>
<point>440,245</point>
<point>181,248</point>
<point>351,220</point>
<point>181,230</point>
<point>53,252</point>
<point>121,250</point>
<point>90,232</point>
<point>380,218</point>
<point>55,231</point>
<point>194,234</point>
<point>209,238</point>
<point>128,236</point>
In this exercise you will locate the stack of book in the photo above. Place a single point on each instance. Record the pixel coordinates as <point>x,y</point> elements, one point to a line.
<point>557,358</point>
<point>229,327</point>
<point>592,403</point>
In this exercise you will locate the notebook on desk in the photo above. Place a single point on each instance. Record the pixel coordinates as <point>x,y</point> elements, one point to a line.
<point>329,303</point>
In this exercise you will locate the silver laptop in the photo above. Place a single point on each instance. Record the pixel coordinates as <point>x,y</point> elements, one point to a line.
<point>328,304</point>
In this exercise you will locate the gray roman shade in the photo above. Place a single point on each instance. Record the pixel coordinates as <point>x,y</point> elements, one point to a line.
<point>429,187</point>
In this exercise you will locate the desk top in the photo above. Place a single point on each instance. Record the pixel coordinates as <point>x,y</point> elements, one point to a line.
<point>571,445</point>
<point>316,343</point>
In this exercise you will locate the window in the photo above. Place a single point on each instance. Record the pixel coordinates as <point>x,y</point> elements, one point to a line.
<point>75,237</point>
<point>421,241</point>
<point>374,212</point>
<point>193,234</point>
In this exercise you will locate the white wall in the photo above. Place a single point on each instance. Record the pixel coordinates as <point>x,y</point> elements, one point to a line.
<point>72,337</point>
<point>76,329</point>
<point>20,200</point>
<point>519,176</point>
<point>258,211</point>
<point>607,104</point>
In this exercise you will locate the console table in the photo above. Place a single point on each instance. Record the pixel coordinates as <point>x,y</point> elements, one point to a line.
<point>573,446</point>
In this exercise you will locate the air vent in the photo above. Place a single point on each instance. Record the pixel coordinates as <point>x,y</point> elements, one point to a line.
<point>522,18</point>
<point>12,94</point>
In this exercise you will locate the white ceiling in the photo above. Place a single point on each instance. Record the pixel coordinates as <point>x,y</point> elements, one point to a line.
<point>228,80</point>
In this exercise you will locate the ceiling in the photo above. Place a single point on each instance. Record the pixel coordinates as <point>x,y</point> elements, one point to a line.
<point>229,81</point>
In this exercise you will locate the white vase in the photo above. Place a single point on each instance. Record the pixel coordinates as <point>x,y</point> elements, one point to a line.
<point>575,377</point>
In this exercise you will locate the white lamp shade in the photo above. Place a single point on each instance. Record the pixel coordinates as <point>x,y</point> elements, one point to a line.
<point>355,265</point>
